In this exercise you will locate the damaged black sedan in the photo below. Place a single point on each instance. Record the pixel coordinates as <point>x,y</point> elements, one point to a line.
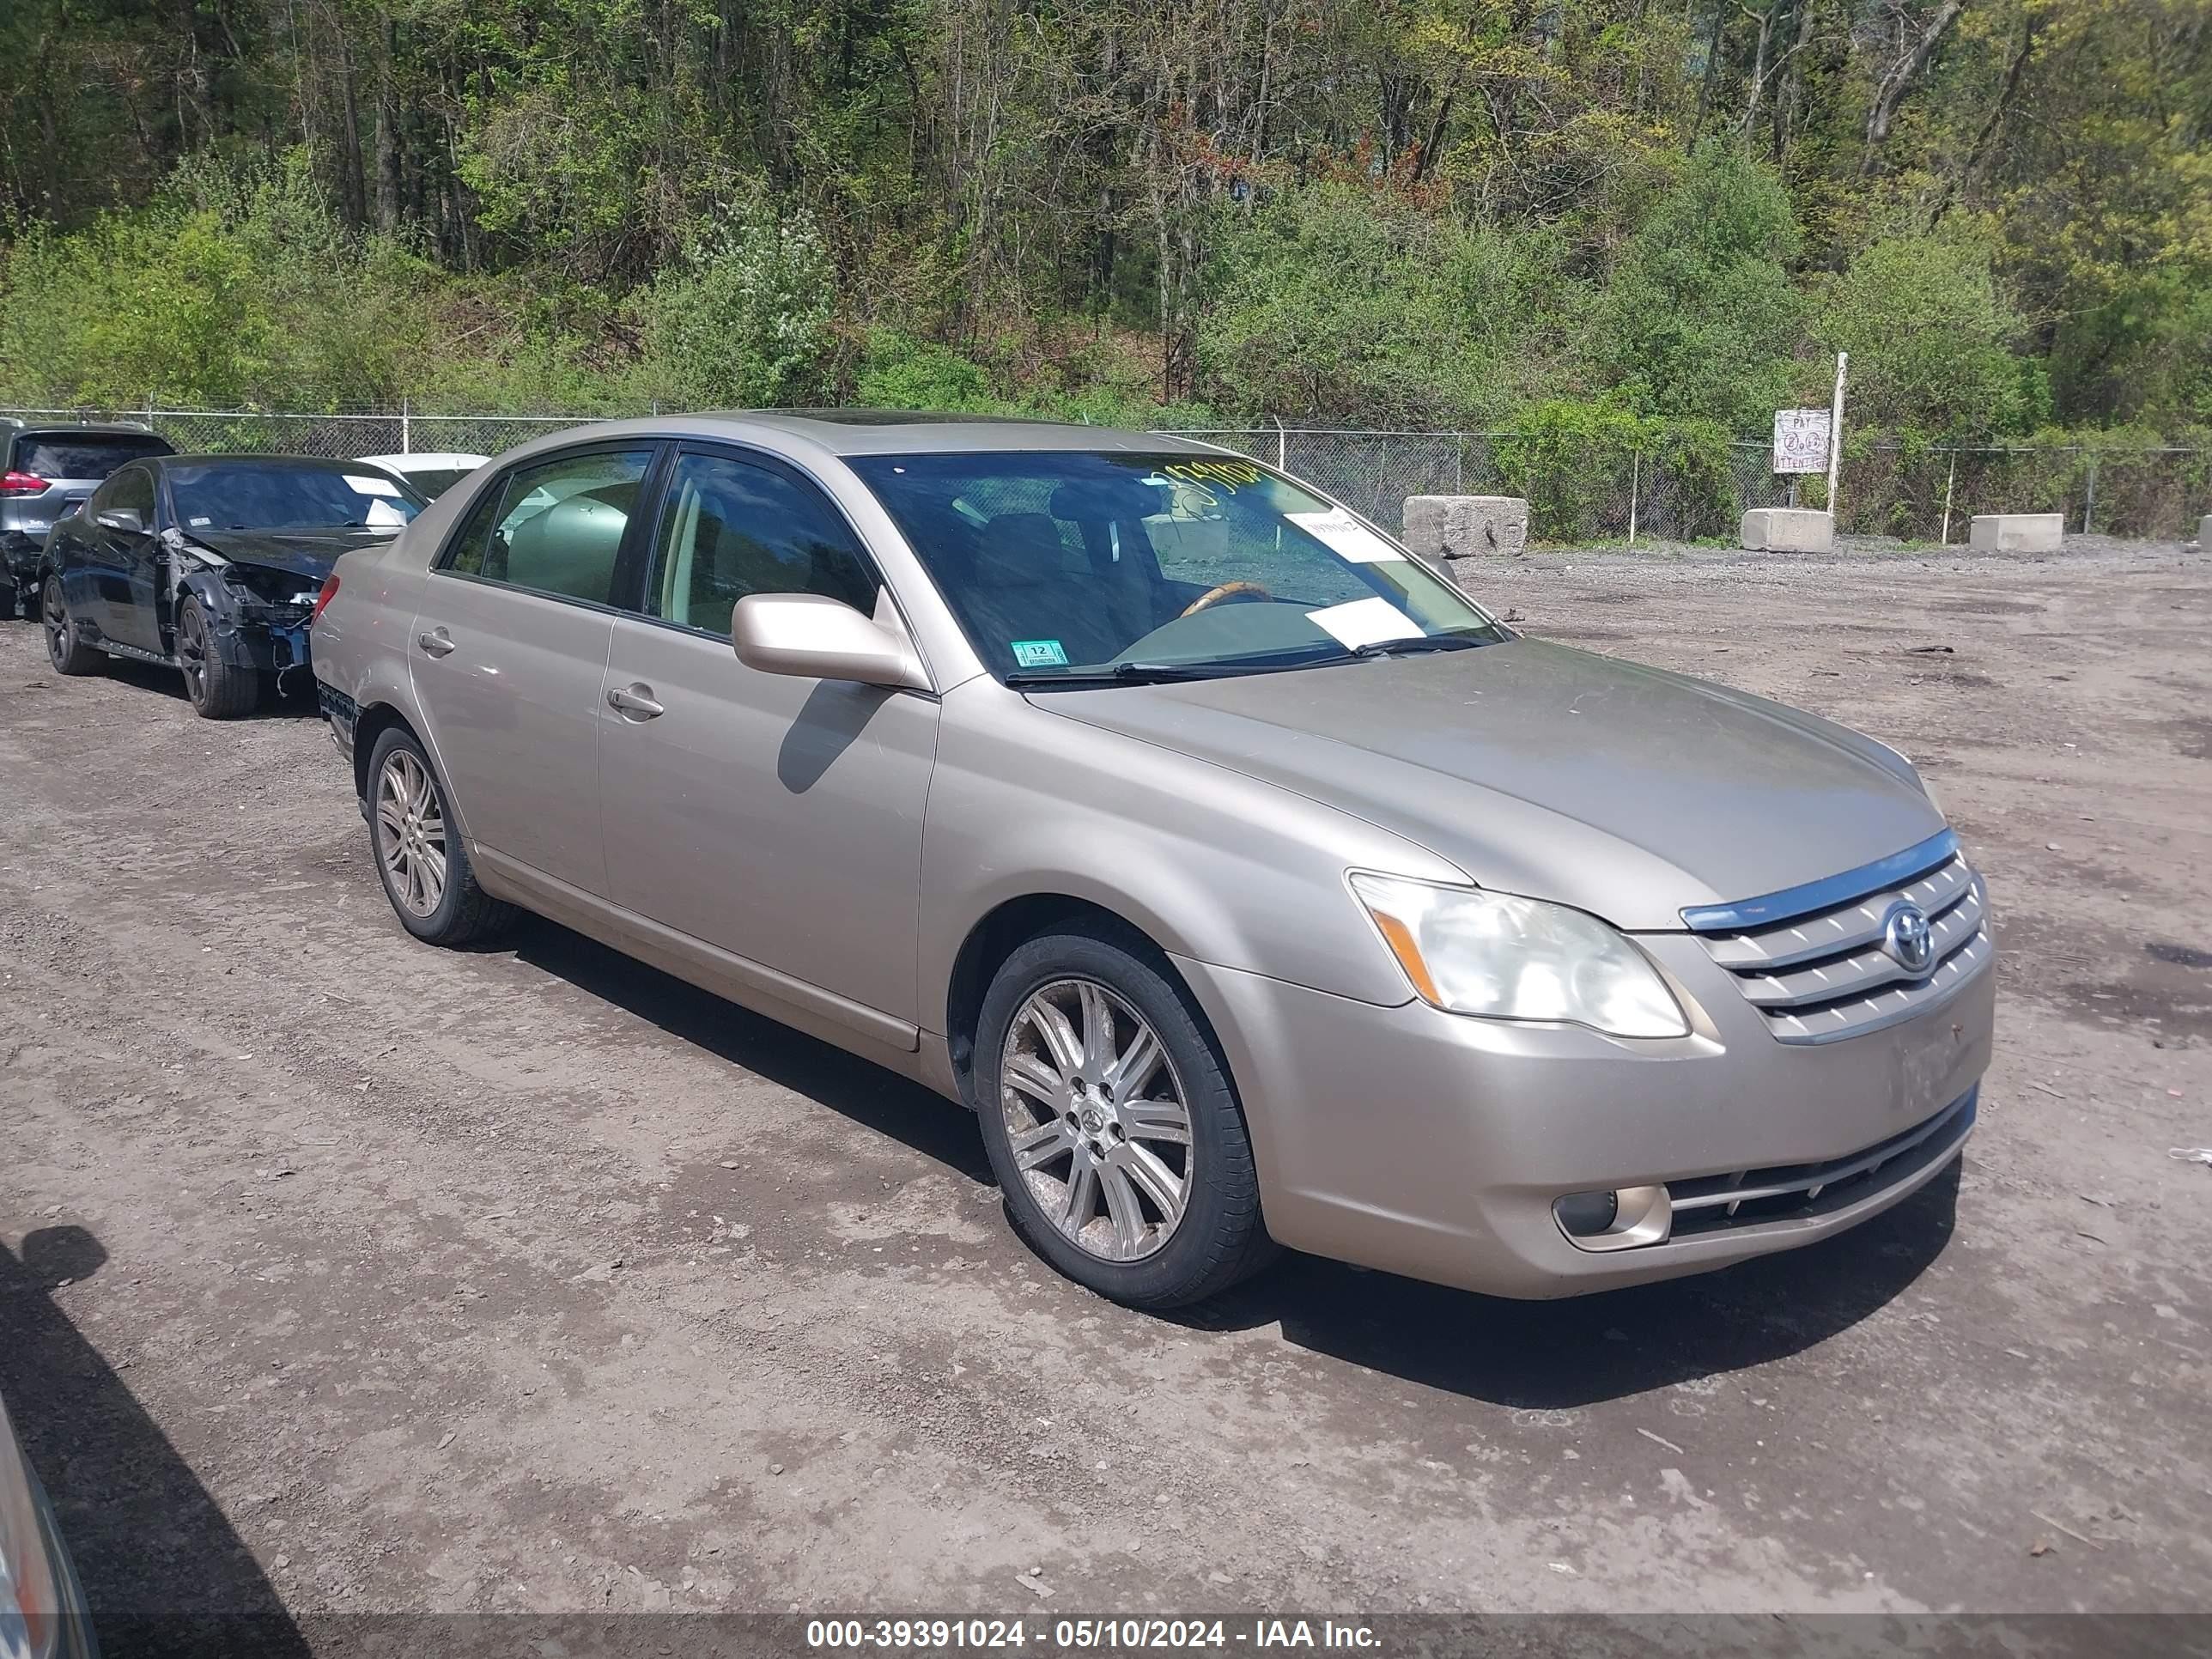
<point>210,564</point>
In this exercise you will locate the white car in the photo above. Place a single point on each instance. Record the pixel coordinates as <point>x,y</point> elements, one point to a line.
<point>434,473</point>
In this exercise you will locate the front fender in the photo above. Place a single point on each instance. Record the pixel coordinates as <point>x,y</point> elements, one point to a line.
<point>1210,864</point>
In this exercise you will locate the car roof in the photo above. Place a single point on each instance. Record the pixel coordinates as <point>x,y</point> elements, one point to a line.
<point>890,432</point>
<point>436,460</point>
<point>231,458</point>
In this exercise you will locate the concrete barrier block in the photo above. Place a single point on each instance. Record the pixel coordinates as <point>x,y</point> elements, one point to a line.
<point>2017,532</point>
<point>1465,526</point>
<point>1788,529</point>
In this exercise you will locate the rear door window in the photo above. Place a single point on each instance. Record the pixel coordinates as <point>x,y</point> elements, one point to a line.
<point>557,527</point>
<point>83,455</point>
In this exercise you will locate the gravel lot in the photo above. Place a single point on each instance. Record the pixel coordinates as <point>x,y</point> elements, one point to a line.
<point>343,1274</point>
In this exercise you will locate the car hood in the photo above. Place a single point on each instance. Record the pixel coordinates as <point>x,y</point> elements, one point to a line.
<point>1550,772</point>
<point>303,552</point>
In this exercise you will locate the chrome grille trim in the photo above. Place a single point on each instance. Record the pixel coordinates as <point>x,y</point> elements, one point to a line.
<point>1824,975</point>
<point>1825,894</point>
<point>1851,927</point>
<point>1790,1192</point>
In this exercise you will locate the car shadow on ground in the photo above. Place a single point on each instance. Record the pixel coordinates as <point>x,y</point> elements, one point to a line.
<point>297,701</point>
<point>1532,1355</point>
<point>1582,1350</point>
<point>871,1097</point>
<point>163,1571</point>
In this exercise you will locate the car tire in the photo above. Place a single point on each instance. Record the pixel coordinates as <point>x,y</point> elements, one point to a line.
<point>7,597</point>
<point>218,691</point>
<point>421,856</point>
<point>67,653</point>
<point>1120,1129</point>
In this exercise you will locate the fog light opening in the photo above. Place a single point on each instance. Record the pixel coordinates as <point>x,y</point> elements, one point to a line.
<point>1583,1214</point>
<point>1621,1220</point>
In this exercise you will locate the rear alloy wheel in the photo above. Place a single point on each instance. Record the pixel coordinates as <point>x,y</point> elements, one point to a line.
<point>67,653</point>
<point>421,856</point>
<point>1111,1122</point>
<point>218,691</point>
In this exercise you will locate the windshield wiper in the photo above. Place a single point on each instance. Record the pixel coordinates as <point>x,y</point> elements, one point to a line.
<point>1124,673</point>
<point>1411,648</point>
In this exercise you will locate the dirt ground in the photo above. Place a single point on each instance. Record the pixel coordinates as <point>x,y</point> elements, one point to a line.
<point>344,1274</point>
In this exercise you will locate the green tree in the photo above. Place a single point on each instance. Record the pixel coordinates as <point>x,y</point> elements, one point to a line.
<point>1929,337</point>
<point>1700,317</point>
<point>745,320</point>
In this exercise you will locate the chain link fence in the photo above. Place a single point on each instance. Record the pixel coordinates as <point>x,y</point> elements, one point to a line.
<point>1609,495</point>
<point>1599,495</point>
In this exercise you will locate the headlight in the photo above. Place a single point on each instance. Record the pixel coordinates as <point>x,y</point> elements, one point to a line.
<point>1471,952</point>
<point>30,1615</point>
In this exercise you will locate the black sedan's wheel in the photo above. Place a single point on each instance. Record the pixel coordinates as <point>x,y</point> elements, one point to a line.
<point>218,691</point>
<point>67,653</point>
<point>421,856</point>
<point>1111,1125</point>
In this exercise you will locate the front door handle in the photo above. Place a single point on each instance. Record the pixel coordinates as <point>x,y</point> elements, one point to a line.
<point>636,701</point>
<point>436,643</point>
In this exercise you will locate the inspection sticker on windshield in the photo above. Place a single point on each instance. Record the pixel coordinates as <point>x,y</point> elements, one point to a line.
<point>1350,538</point>
<point>1039,653</point>
<point>1364,621</point>
<point>372,486</point>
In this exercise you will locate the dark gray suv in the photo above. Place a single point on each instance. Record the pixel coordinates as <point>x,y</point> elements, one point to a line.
<point>46,472</point>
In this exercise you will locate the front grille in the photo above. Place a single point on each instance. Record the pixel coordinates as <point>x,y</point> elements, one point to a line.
<point>1824,973</point>
<point>1796,1191</point>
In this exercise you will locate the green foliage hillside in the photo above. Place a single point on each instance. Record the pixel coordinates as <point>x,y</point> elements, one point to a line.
<point>1597,218</point>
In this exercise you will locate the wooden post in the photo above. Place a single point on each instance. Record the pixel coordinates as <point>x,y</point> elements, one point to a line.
<point>1836,436</point>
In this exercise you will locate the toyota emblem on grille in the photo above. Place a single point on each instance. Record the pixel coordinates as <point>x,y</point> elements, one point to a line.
<point>1906,936</point>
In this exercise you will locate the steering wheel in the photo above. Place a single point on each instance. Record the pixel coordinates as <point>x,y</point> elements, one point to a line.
<point>1214,596</point>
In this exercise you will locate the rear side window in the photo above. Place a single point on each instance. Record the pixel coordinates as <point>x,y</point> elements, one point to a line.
<point>730,528</point>
<point>81,456</point>
<point>557,527</point>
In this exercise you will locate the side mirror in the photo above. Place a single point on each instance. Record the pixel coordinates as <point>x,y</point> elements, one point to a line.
<point>815,638</point>
<point>124,521</point>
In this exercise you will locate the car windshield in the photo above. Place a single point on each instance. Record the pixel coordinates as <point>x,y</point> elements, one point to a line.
<point>83,455</point>
<point>1078,567</point>
<point>246,494</point>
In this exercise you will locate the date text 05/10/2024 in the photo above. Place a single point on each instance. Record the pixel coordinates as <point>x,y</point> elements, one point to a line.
<point>892,1635</point>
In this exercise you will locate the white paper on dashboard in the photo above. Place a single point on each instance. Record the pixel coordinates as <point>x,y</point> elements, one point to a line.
<point>1352,539</point>
<point>372,486</point>
<point>1364,621</point>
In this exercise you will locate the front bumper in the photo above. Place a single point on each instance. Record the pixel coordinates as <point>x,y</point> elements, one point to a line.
<point>1432,1144</point>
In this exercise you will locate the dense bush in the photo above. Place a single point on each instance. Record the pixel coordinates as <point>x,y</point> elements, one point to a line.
<point>1576,463</point>
<point>1930,339</point>
<point>1700,318</point>
<point>1330,299</point>
<point>744,319</point>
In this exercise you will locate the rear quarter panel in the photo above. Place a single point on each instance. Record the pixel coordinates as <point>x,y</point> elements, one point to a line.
<point>358,645</point>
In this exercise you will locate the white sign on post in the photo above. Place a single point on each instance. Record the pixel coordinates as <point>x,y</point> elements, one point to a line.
<point>1801,439</point>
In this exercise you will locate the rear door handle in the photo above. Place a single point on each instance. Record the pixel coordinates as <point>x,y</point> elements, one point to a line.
<point>436,642</point>
<point>636,701</point>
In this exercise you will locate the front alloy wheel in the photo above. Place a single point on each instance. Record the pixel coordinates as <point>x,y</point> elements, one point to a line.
<point>1096,1120</point>
<point>1110,1121</point>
